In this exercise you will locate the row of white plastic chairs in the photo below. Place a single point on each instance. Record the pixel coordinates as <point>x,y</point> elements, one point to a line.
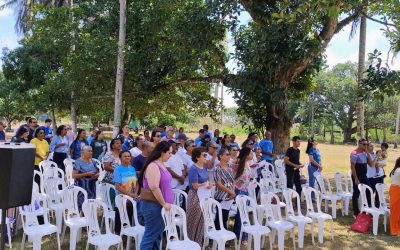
<point>344,191</point>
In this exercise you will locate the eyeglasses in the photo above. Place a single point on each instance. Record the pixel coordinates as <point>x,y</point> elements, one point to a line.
<point>193,146</point>
<point>33,122</point>
<point>234,150</point>
<point>157,136</point>
<point>204,155</point>
<point>227,154</point>
<point>250,144</point>
<point>213,147</point>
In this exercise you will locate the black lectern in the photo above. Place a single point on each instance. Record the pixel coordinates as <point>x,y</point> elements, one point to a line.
<point>16,178</point>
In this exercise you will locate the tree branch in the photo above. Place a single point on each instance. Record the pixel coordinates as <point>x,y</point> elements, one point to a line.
<point>348,20</point>
<point>202,79</point>
<point>379,21</point>
<point>247,4</point>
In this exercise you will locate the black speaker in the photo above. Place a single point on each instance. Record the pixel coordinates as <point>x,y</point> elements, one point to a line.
<point>16,168</point>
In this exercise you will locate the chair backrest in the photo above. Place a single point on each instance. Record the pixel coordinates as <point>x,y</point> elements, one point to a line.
<point>324,184</point>
<point>288,195</point>
<point>29,213</point>
<point>380,189</point>
<point>53,172</point>
<point>363,193</point>
<point>351,182</point>
<point>247,205</point>
<point>252,190</point>
<point>100,168</point>
<point>338,182</point>
<point>208,207</point>
<point>267,185</point>
<point>266,174</point>
<point>104,193</point>
<point>122,201</point>
<point>308,195</point>
<point>91,208</point>
<point>70,200</point>
<point>279,164</point>
<point>52,189</point>
<point>69,167</point>
<point>170,223</point>
<point>38,173</point>
<point>50,157</point>
<point>272,211</point>
<point>43,165</point>
<point>178,196</point>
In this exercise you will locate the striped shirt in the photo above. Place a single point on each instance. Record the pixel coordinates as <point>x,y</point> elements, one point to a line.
<point>226,178</point>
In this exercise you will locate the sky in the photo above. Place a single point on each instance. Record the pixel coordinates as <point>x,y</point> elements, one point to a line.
<point>341,49</point>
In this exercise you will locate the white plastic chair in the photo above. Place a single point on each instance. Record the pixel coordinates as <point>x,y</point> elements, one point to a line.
<point>280,171</point>
<point>318,215</point>
<point>100,168</point>
<point>245,206</point>
<point>30,223</point>
<point>178,196</point>
<point>344,193</point>
<point>53,172</point>
<point>41,187</point>
<point>53,197</point>
<point>380,189</point>
<point>275,221</point>
<point>221,236</point>
<point>91,208</point>
<point>328,195</point>
<point>69,167</point>
<point>106,189</point>
<point>268,185</point>
<point>173,241</point>
<point>375,212</point>
<point>298,219</point>
<point>134,230</point>
<point>72,217</point>
<point>43,165</point>
<point>351,182</point>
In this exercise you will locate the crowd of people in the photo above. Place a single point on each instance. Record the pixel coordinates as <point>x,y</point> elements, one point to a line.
<point>149,166</point>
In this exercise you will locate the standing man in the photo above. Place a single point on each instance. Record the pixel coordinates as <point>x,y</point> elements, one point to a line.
<point>206,132</point>
<point>32,126</point>
<point>212,159</point>
<point>359,160</point>
<point>176,168</point>
<point>48,131</point>
<point>198,139</point>
<point>138,161</point>
<point>92,135</point>
<point>267,147</point>
<point>293,165</point>
<point>139,146</point>
<point>233,143</point>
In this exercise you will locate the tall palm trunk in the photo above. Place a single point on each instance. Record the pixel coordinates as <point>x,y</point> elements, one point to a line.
<point>361,70</point>
<point>397,125</point>
<point>120,67</point>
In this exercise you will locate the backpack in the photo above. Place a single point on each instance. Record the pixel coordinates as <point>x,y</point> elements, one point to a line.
<point>362,223</point>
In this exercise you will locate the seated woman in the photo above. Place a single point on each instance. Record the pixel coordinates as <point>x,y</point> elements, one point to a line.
<point>21,135</point>
<point>85,174</point>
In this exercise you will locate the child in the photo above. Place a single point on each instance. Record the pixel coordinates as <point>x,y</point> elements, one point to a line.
<point>2,133</point>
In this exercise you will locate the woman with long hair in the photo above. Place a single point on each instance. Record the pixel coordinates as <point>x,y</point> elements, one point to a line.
<point>21,135</point>
<point>225,185</point>
<point>314,157</point>
<point>243,177</point>
<point>394,193</point>
<point>60,146</point>
<point>198,177</point>
<point>111,160</point>
<point>125,137</point>
<point>156,193</point>
<point>42,150</point>
<point>78,144</point>
<point>155,137</point>
<point>99,145</point>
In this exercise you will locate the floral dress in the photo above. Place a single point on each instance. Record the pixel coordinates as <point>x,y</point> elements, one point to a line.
<point>115,162</point>
<point>242,183</point>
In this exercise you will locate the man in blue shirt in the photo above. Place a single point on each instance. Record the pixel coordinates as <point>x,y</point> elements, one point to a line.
<point>48,131</point>
<point>2,133</point>
<point>267,147</point>
<point>92,135</point>
<point>206,132</point>
<point>197,141</point>
<point>233,143</point>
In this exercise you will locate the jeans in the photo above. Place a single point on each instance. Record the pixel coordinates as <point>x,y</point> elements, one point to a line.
<point>225,218</point>
<point>153,225</point>
<point>311,178</point>
<point>238,225</point>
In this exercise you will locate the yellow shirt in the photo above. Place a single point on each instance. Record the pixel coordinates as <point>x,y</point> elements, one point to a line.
<point>42,147</point>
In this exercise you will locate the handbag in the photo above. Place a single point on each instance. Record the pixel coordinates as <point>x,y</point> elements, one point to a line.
<point>147,195</point>
<point>362,223</point>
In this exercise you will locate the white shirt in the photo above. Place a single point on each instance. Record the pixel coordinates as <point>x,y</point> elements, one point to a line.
<point>175,163</point>
<point>371,171</point>
<point>181,152</point>
<point>187,161</point>
<point>395,178</point>
<point>135,151</point>
<point>216,162</point>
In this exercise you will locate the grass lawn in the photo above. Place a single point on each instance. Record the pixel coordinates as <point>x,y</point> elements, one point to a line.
<point>334,158</point>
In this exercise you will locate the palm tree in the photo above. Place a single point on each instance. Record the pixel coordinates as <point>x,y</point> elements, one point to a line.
<point>24,13</point>
<point>360,75</point>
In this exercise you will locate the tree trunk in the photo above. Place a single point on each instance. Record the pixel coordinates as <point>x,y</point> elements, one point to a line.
<point>361,70</point>
<point>120,67</point>
<point>383,134</point>
<point>347,135</point>
<point>376,135</point>
<point>397,126</point>
<point>280,137</point>
<point>73,112</point>
<point>324,132</point>
<point>53,116</point>
<point>332,134</point>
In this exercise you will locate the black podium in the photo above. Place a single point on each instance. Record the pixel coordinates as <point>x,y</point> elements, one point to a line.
<point>16,178</point>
